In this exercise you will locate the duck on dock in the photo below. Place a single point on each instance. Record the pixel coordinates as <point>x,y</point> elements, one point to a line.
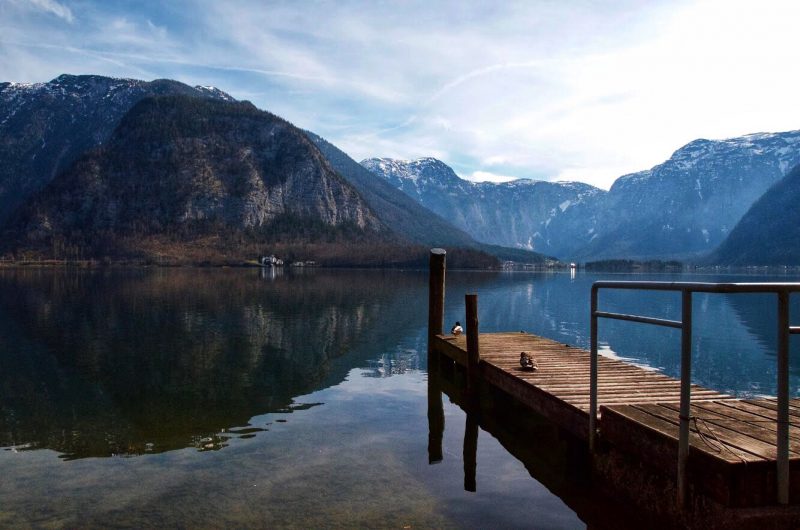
<point>527,362</point>
<point>456,329</point>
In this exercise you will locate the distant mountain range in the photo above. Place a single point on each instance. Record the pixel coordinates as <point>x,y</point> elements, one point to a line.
<point>120,168</point>
<point>555,218</point>
<point>685,207</point>
<point>681,209</point>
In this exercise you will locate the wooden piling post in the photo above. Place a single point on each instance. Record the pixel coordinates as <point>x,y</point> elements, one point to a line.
<point>436,294</point>
<point>473,345</point>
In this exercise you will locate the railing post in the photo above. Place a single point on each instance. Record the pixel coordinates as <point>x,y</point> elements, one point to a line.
<point>436,294</point>
<point>473,346</point>
<point>783,397</point>
<point>686,394</point>
<point>593,374</point>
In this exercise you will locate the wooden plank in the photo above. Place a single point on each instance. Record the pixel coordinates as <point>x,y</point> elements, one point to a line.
<point>669,430</point>
<point>764,412</point>
<point>717,439</point>
<point>447,347</point>
<point>706,416</point>
<point>794,412</point>
<point>559,412</point>
<point>743,412</point>
<point>726,478</point>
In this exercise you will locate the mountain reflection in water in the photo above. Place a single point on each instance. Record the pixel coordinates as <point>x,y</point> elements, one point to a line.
<point>314,383</point>
<point>127,362</point>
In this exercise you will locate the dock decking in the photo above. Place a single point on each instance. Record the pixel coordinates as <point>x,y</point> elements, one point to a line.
<point>732,442</point>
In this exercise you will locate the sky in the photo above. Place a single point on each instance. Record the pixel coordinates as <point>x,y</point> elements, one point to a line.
<point>550,90</point>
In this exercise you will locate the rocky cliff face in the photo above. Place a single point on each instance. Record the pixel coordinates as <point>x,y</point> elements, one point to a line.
<point>553,218</point>
<point>401,213</point>
<point>769,233</point>
<point>45,127</point>
<point>188,167</point>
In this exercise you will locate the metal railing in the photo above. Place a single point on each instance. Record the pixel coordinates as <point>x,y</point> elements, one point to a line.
<point>782,290</point>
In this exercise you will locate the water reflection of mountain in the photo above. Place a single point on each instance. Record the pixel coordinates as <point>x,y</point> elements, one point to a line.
<point>758,314</point>
<point>124,362</point>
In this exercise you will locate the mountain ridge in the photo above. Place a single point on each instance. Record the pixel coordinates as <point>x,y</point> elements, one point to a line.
<point>768,234</point>
<point>515,214</point>
<point>45,127</point>
<point>181,168</point>
<point>679,209</point>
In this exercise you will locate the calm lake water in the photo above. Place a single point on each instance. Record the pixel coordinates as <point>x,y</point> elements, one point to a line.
<point>235,398</point>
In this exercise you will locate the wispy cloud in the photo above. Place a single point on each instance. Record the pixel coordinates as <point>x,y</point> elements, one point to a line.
<point>54,8</point>
<point>547,90</point>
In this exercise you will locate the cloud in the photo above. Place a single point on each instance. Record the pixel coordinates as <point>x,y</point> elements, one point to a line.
<point>54,8</point>
<point>545,90</point>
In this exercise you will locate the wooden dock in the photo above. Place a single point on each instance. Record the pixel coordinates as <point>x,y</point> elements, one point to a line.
<point>732,442</point>
<point>736,454</point>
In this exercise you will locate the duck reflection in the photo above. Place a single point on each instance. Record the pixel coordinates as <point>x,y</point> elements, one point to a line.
<point>133,362</point>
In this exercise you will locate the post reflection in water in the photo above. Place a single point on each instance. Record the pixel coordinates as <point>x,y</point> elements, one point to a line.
<point>435,410</point>
<point>471,450</point>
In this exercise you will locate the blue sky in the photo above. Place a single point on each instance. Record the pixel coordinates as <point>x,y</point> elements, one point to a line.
<point>581,90</point>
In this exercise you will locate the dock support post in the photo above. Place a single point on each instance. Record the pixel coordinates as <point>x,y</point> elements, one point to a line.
<point>686,395</point>
<point>436,294</point>
<point>783,398</point>
<point>473,346</point>
<point>593,374</point>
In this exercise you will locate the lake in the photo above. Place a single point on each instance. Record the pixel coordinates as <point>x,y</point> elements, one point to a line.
<point>248,398</point>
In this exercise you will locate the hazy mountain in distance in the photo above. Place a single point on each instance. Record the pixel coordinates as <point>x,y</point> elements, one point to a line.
<point>554,218</point>
<point>769,233</point>
<point>680,209</point>
<point>408,218</point>
<point>686,206</point>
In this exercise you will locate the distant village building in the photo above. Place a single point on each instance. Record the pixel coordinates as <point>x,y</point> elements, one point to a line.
<point>271,261</point>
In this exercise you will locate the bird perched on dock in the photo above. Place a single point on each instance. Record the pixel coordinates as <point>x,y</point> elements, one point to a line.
<point>457,329</point>
<point>527,362</point>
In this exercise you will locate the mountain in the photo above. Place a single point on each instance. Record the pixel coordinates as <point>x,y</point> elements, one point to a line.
<point>182,169</point>
<point>769,233</point>
<point>72,184</point>
<point>45,127</point>
<point>680,209</point>
<point>395,209</point>
<point>408,218</point>
<point>688,205</point>
<point>554,218</point>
